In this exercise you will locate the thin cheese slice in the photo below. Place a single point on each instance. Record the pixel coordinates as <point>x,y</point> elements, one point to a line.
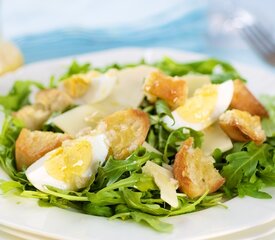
<point>214,137</point>
<point>150,148</point>
<point>195,81</point>
<point>165,181</point>
<point>74,120</point>
<point>128,90</point>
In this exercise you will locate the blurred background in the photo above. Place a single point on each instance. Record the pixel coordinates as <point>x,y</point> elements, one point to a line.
<point>51,29</point>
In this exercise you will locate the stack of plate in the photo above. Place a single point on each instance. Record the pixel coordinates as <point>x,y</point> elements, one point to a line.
<point>246,218</point>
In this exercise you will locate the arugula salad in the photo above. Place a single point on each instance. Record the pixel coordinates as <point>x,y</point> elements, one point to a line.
<point>138,141</point>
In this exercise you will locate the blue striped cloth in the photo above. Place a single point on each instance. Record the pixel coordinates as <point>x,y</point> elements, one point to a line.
<point>186,31</point>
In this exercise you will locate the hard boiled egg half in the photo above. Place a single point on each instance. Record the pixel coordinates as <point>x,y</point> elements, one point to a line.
<point>70,166</point>
<point>203,108</point>
<point>91,87</point>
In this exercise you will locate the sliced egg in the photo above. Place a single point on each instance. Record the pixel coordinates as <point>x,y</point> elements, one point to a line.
<point>204,108</point>
<point>90,88</point>
<point>70,166</point>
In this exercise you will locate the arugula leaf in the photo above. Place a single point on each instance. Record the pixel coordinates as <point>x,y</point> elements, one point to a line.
<point>252,190</point>
<point>120,66</point>
<point>207,66</point>
<point>133,201</point>
<point>18,96</point>
<point>7,186</point>
<point>10,131</point>
<point>218,78</point>
<point>269,123</point>
<point>153,221</point>
<point>175,139</point>
<point>163,110</point>
<point>243,164</point>
<point>97,210</point>
<point>75,68</point>
<point>110,197</point>
<point>133,179</point>
<point>141,217</point>
<point>186,206</point>
<point>114,169</point>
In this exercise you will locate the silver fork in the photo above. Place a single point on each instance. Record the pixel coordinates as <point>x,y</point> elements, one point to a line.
<point>257,35</point>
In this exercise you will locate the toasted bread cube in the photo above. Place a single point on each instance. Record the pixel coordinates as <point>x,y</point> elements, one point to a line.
<point>125,130</point>
<point>33,116</point>
<point>53,99</point>
<point>195,172</point>
<point>241,126</point>
<point>244,100</point>
<point>32,145</point>
<point>172,90</point>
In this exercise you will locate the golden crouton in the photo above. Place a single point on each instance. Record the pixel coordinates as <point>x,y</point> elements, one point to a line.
<point>33,116</point>
<point>125,130</point>
<point>172,90</point>
<point>244,100</point>
<point>53,99</point>
<point>32,145</point>
<point>241,126</point>
<point>195,172</point>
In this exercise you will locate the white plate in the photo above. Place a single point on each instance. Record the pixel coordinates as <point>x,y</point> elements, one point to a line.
<point>26,216</point>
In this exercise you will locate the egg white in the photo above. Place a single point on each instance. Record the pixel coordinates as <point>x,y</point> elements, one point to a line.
<point>225,94</point>
<point>100,88</point>
<point>39,177</point>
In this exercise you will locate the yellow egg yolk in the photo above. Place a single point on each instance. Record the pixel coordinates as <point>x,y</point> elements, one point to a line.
<point>70,162</point>
<point>77,85</point>
<point>198,108</point>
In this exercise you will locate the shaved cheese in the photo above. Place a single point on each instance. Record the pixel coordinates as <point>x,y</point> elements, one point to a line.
<point>150,148</point>
<point>164,180</point>
<point>74,120</point>
<point>214,137</point>
<point>194,82</point>
<point>128,90</point>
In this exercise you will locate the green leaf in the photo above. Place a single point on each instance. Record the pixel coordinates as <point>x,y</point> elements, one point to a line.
<point>18,96</point>
<point>97,210</point>
<point>140,217</point>
<point>10,131</point>
<point>120,66</point>
<point>206,66</point>
<point>7,186</point>
<point>114,169</point>
<point>163,110</point>
<point>222,77</point>
<point>175,139</point>
<point>242,164</point>
<point>267,175</point>
<point>35,194</point>
<point>76,68</point>
<point>252,190</point>
<point>153,221</point>
<point>133,201</point>
<point>268,125</point>
<point>131,181</point>
<point>186,206</point>
<point>106,197</point>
